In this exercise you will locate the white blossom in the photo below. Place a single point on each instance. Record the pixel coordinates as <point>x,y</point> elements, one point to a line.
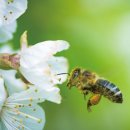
<point>10,10</point>
<point>18,105</point>
<point>20,111</point>
<point>39,66</point>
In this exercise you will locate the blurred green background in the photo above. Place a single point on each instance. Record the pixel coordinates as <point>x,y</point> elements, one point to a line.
<point>99,34</point>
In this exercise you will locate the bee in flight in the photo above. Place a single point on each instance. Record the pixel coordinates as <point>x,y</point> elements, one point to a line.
<point>89,82</point>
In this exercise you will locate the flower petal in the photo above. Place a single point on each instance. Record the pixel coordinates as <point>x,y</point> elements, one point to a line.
<point>35,95</point>
<point>45,73</point>
<point>2,8</point>
<point>41,52</point>
<point>21,111</point>
<point>11,10</point>
<point>13,85</point>
<point>27,118</point>
<point>52,94</point>
<point>3,93</point>
<point>37,75</point>
<point>58,65</point>
<point>37,112</point>
<point>6,31</point>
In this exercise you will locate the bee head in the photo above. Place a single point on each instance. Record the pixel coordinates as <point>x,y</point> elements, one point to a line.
<point>74,77</point>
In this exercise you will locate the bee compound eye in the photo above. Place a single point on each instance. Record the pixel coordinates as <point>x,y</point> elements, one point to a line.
<point>76,74</point>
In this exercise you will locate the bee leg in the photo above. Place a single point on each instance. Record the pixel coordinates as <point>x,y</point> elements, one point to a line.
<point>94,100</point>
<point>84,96</point>
<point>85,93</point>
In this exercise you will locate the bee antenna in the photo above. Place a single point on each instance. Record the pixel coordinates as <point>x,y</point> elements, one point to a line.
<point>63,73</point>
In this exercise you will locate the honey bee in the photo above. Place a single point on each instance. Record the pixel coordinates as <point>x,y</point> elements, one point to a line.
<point>89,82</point>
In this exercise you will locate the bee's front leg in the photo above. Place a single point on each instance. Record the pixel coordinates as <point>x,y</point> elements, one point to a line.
<point>93,100</point>
<point>85,93</point>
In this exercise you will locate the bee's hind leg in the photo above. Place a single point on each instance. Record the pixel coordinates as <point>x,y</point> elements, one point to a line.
<point>93,100</point>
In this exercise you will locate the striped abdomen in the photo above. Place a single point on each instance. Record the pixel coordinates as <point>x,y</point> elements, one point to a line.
<point>109,90</point>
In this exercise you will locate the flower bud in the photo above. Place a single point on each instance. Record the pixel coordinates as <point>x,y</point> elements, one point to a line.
<point>9,61</point>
